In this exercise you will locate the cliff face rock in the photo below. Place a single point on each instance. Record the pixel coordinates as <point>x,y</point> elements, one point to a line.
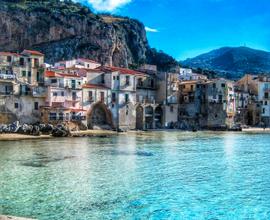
<point>66,30</point>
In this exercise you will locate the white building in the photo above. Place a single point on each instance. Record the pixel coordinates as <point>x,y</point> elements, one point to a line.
<point>264,98</point>
<point>188,74</point>
<point>77,63</point>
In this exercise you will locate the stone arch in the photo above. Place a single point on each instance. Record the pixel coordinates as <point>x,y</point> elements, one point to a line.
<point>139,117</point>
<point>99,115</point>
<point>159,117</point>
<point>149,117</point>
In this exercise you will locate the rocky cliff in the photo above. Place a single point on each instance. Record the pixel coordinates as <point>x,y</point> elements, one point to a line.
<point>65,30</point>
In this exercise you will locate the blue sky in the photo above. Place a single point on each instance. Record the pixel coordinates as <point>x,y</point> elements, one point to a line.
<point>186,28</point>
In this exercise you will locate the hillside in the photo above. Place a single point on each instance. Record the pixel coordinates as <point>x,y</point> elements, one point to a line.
<point>65,30</point>
<point>232,62</point>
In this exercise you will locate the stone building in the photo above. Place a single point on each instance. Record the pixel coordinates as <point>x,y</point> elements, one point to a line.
<point>168,95</point>
<point>149,113</point>
<point>22,90</point>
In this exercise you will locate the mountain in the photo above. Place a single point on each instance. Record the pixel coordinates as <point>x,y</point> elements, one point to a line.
<point>62,29</point>
<point>232,62</point>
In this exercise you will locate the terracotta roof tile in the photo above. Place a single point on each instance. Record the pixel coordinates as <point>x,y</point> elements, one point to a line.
<point>33,52</point>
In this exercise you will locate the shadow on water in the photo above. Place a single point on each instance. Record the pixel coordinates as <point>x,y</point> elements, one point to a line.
<point>41,160</point>
<point>126,153</point>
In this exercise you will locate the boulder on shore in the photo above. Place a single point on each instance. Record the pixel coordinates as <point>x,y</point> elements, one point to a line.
<point>61,131</point>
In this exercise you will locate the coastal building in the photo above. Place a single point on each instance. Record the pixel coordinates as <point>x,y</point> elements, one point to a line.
<point>87,95</point>
<point>186,74</point>
<point>248,106</point>
<point>80,63</point>
<point>63,99</point>
<point>168,95</point>
<point>264,99</point>
<point>22,88</point>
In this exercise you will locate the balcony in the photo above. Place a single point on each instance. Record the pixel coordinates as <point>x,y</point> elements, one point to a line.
<point>6,93</point>
<point>8,77</point>
<point>39,92</point>
<point>146,101</point>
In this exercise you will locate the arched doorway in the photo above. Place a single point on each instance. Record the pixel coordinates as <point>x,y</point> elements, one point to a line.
<point>139,117</point>
<point>99,116</point>
<point>159,117</point>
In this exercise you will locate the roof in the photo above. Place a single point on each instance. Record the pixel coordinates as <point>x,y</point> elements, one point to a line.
<point>88,60</point>
<point>49,73</point>
<point>97,70</point>
<point>94,86</point>
<point>121,70</point>
<point>33,52</point>
<point>69,75</point>
<point>8,54</point>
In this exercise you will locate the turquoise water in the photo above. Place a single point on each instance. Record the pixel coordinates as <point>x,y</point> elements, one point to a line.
<point>163,175</point>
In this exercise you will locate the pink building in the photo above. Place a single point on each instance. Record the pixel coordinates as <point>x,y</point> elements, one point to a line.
<point>64,98</point>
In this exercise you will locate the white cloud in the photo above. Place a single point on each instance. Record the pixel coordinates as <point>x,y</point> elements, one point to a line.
<point>148,29</point>
<point>107,5</point>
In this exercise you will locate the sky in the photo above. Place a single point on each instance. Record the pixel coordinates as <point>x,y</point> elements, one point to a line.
<point>187,28</point>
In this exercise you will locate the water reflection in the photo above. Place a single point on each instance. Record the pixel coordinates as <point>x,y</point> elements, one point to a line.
<point>160,175</point>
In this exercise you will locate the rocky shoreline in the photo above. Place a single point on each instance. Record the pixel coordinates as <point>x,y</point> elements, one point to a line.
<point>17,131</point>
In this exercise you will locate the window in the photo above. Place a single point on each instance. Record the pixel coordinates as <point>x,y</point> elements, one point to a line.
<point>61,116</point>
<point>151,83</point>
<point>29,73</point>
<point>90,96</point>
<point>36,62</point>
<point>117,77</point>
<point>52,116</point>
<point>265,103</point>
<point>53,80</point>
<point>126,98</point>
<point>214,85</point>
<point>9,59</point>
<point>62,93</point>
<point>220,98</point>
<point>54,93</point>
<point>102,96</point>
<point>113,77</point>
<point>16,105</point>
<point>21,61</point>
<point>171,108</point>
<point>36,106</point>
<point>266,95</point>
<point>74,96</point>
<point>263,110</point>
<point>38,76</point>
<point>223,85</point>
<point>192,87</point>
<point>24,73</point>
<point>140,82</point>
<point>88,66</point>
<point>102,78</point>
<point>113,97</point>
<point>127,80</point>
